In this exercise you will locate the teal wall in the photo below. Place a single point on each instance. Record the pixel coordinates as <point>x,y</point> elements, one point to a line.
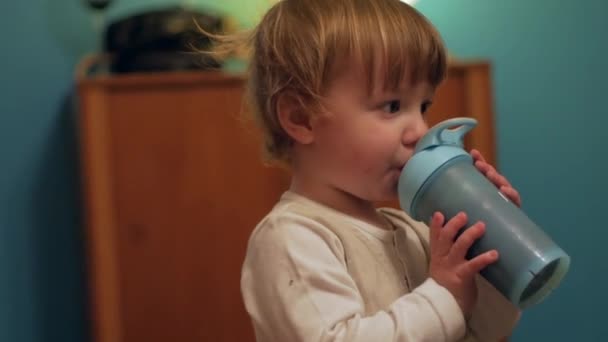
<point>549,83</point>
<point>41,264</point>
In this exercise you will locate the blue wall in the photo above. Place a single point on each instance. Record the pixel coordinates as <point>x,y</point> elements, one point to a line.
<point>550,118</point>
<point>550,82</point>
<point>41,264</point>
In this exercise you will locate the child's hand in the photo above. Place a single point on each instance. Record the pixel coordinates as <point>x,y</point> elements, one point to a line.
<point>499,180</point>
<point>449,266</point>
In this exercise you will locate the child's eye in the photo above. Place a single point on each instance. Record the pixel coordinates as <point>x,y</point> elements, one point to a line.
<point>392,106</point>
<point>425,106</point>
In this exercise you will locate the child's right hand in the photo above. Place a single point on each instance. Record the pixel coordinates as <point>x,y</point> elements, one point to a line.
<point>449,266</point>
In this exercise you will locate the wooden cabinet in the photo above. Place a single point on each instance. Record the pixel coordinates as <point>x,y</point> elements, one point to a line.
<point>468,92</point>
<point>174,185</point>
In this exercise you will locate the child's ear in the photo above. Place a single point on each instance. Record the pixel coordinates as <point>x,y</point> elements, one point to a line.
<point>294,120</point>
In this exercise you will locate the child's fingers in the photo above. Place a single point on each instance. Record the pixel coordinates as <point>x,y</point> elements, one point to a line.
<point>490,172</point>
<point>498,179</point>
<point>436,225</point>
<point>480,262</point>
<point>449,232</point>
<point>466,240</point>
<point>512,194</point>
<point>477,155</point>
<point>484,167</point>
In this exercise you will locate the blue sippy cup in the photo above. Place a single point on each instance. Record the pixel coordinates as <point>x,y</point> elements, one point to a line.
<point>441,176</point>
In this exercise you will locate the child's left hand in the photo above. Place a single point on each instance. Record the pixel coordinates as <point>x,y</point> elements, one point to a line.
<point>499,180</point>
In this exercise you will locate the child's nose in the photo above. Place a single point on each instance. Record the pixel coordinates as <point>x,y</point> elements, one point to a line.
<point>422,129</point>
<point>415,133</point>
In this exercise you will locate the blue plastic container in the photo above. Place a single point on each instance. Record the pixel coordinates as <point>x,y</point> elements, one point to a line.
<point>441,176</point>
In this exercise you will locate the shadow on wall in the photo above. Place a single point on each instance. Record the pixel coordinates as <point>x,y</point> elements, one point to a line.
<point>59,259</point>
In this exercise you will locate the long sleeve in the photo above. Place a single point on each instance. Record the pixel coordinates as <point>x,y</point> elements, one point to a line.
<point>494,317</point>
<point>296,287</point>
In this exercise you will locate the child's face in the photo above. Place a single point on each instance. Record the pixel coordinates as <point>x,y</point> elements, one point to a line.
<point>364,140</point>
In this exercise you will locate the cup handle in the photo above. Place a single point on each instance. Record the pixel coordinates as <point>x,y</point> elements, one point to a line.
<point>444,134</point>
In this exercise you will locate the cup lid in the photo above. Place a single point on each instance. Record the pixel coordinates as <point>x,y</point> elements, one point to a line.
<point>439,145</point>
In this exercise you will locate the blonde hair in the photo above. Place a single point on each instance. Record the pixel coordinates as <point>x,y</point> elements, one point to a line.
<point>298,46</point>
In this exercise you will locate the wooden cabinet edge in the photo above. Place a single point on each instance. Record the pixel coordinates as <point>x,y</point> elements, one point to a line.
<point>102,258</point>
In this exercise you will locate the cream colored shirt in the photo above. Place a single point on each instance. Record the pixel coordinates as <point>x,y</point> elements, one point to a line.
<point>314,274</point>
